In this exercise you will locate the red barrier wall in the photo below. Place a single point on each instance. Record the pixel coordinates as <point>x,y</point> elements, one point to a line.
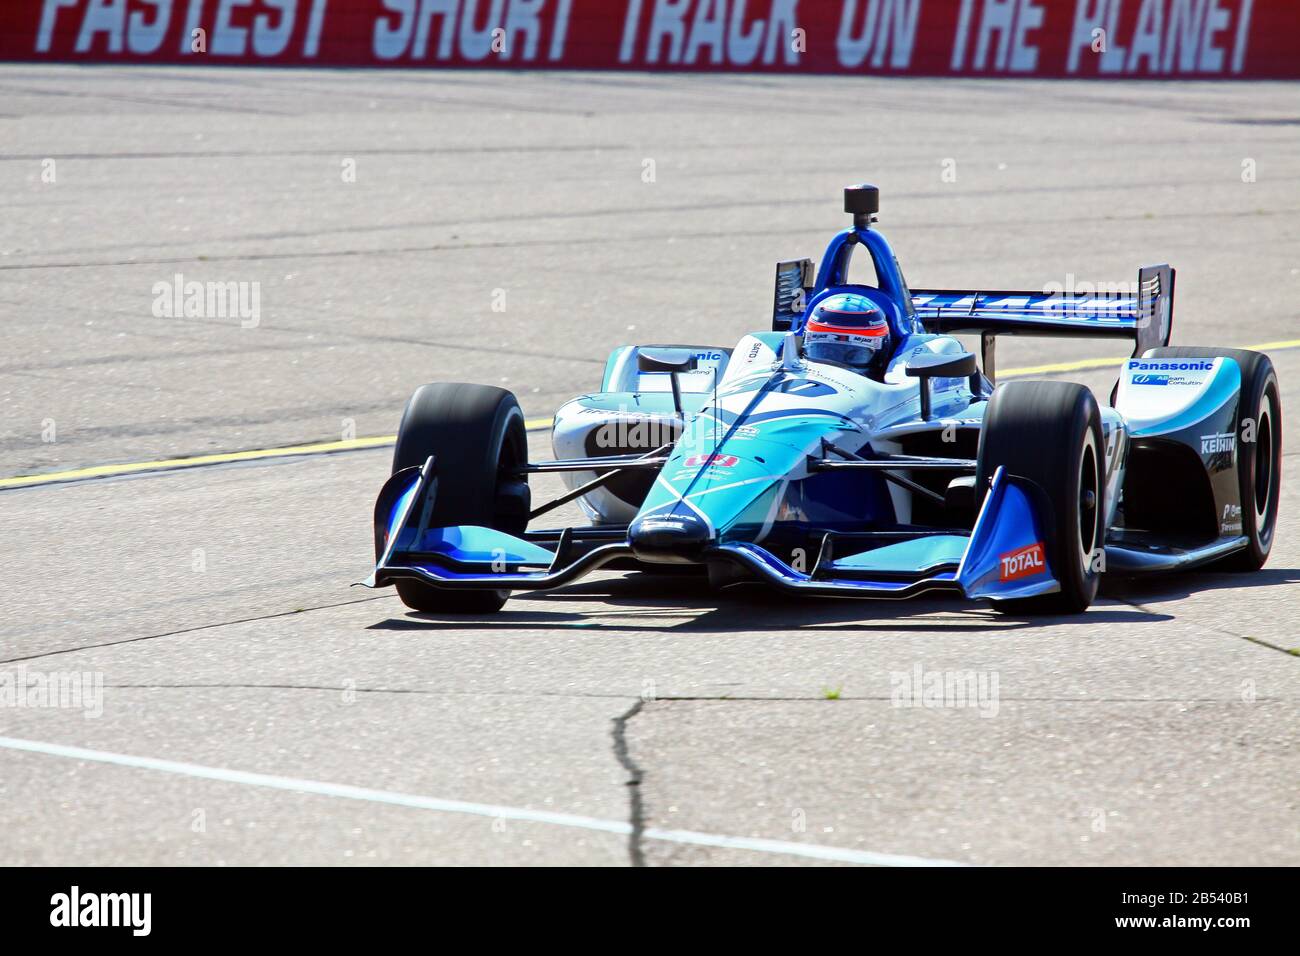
<point>1057,38</point>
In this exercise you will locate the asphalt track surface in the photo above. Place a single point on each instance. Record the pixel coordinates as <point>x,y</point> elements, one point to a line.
<point>257,710</point>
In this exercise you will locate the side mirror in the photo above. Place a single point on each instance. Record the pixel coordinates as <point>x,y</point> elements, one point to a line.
<point>665,360</point>
<point>937,365</point>
<point>670,361</point>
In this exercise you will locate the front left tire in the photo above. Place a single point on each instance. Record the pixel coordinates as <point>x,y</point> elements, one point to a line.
<point>477,437</point>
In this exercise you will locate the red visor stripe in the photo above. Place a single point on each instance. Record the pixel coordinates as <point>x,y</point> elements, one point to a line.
<point>877,330</point>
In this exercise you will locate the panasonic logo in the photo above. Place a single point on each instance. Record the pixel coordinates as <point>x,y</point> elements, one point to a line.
<point>1203,365</point>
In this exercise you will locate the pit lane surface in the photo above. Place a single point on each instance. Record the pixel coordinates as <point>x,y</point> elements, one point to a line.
<point>1157,728</point>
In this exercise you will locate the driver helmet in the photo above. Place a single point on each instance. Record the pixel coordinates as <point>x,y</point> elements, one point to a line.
<point>849,330</point>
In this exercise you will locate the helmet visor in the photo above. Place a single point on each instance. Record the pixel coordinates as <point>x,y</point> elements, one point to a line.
<point>857,351</point>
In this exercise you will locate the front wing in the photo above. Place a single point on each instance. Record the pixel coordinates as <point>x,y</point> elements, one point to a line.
<point>1013,521</point>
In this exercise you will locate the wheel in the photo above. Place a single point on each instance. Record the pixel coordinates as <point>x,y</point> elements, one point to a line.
<point>476,435</point>
<point>1259,462</point>
<point>1050,433</point>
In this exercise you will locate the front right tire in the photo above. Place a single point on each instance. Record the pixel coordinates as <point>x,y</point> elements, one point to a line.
<point>1050,433</point>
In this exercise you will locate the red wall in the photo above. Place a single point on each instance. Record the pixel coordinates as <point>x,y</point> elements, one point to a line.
<point>1142,38</point>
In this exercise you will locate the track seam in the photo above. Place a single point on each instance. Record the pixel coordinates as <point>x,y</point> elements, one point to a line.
<point>636,801</point>
<point>189,630</point>
<point>697,698</point>
<point>1212,628</point>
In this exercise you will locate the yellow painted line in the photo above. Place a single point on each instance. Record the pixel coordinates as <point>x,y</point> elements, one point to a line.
<point>1117,362</point>
<point>532,424</point>
<point>168,464</point>
<point>171,464</point>
<point>1060,367</point>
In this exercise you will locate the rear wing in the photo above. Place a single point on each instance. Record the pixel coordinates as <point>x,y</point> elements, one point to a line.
<point>1145,316</point>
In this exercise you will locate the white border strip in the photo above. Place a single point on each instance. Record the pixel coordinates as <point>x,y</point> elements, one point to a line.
<point>346,792</point>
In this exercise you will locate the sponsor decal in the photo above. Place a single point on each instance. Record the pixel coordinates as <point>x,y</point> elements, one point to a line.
<point>713,461</point>
<point>675,523</point>
<point>1154,365</point>
<point>1024,563</point>
<point>1215,444</point>
<point>1231,523</point>
<point>1176,372</point>
<point>872,342</point>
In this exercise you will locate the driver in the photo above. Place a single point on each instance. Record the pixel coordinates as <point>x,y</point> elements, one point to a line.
<point>849,330</point>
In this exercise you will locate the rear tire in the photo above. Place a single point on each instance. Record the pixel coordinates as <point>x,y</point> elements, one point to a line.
<point>477,437</point>
<point>1259,462</point>
<point>1050,433</point>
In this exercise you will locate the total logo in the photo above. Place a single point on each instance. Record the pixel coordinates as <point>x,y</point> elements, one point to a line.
<point>1024,563</point>
<point>713,461</point>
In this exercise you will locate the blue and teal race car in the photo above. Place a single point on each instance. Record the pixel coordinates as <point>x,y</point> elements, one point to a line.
<point>854,449</point>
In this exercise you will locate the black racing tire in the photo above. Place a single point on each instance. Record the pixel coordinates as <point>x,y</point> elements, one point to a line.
<point>1259,462</point>
<point>477,437</point>
<point>1050,433</point>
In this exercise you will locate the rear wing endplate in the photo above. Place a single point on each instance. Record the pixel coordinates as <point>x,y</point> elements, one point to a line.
<point>794,285</point>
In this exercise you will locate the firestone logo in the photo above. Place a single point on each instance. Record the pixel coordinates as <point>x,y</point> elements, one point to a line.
<point>1024,563</point>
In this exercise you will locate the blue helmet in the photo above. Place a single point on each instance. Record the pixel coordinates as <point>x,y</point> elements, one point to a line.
<point>849,330</point>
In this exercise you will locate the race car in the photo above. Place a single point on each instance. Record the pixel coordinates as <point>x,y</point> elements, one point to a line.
<point>854,449</point>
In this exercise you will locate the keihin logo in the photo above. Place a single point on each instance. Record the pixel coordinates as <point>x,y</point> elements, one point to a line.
<point>1213,444</point>
<point>1200,365</point>
<point>103,909</point>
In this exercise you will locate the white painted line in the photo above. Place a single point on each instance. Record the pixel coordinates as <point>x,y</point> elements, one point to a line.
<point>346,792</point>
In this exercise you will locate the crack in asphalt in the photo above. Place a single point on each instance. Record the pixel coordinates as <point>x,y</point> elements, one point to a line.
<point>636,801</point>
<point>196,627</point>
<point>1213,628</point>
<point>567,242</point>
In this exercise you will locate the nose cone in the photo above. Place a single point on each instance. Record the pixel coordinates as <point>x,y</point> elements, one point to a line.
<point>675,538</point>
